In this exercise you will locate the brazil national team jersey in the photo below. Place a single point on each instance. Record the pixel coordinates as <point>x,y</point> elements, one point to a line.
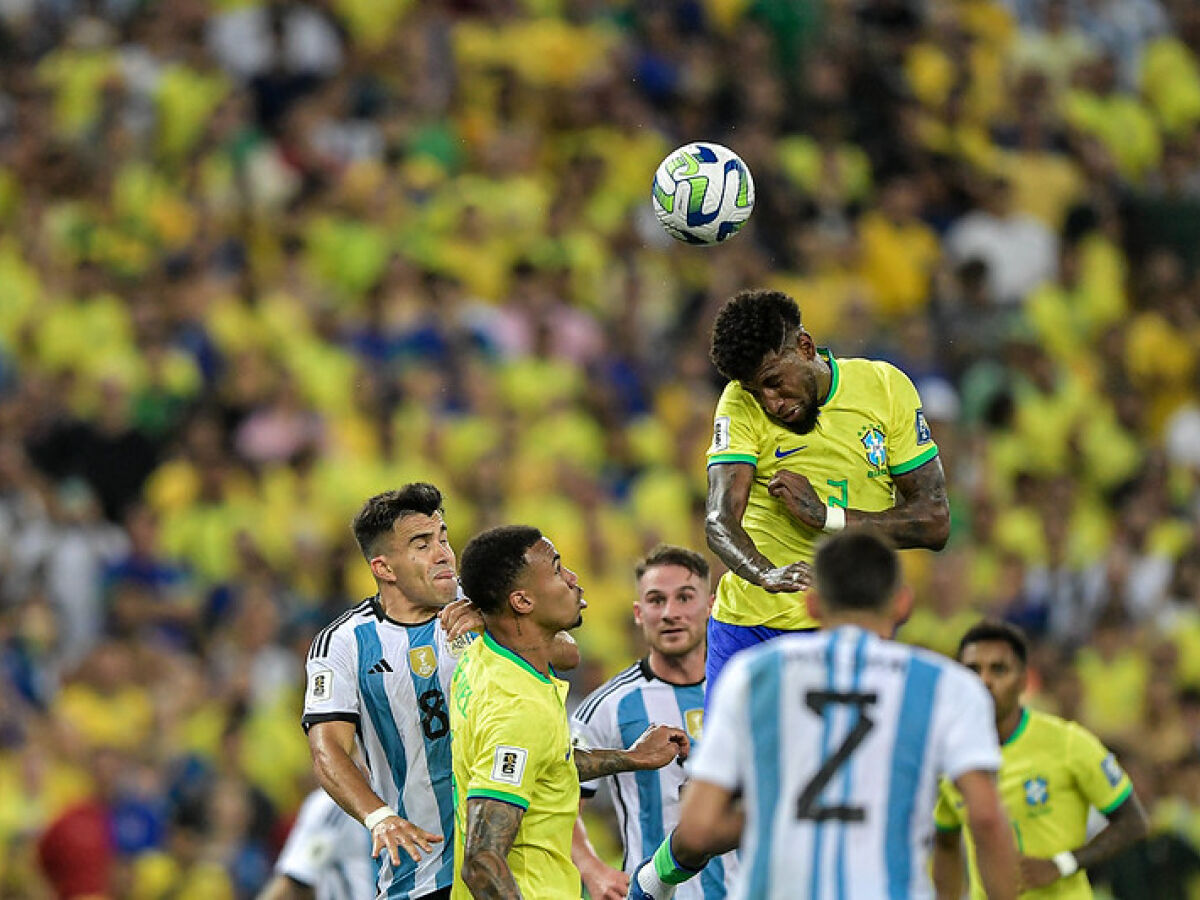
<point>512,743</point>
<point>871,429</point>
<point>1052,772</point>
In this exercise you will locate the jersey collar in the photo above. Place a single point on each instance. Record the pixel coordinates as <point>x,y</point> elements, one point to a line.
<point>377,609</point>
<point>490,643</point>
<point>648,674</point>
<point>1021,726</point>
<point>834,373</point>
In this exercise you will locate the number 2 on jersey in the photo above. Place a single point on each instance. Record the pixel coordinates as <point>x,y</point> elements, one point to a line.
<point>807,807</point>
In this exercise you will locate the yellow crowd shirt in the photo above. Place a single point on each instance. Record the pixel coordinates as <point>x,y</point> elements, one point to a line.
<point>871,429</point>
<point>512,743</point>
<point>1051,772</point>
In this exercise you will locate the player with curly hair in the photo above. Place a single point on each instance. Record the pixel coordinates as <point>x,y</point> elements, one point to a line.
<point>804,444</point>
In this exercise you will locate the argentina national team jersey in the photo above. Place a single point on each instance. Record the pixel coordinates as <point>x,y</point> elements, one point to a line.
<point>647,803</point>
<point>838,740</point>
<point>328,852</point>
<point>392,681</point>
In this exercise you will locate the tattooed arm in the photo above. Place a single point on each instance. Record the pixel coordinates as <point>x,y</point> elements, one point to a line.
<point>657,746</point>
<point>920,518</point>
<point>491,829</point>
<point>728,493</point>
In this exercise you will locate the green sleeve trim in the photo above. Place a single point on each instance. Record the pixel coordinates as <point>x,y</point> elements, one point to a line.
<point>718,458</point>
<point>914,463</point>
<point>502,796</point>
<point>947,829</point>
<point>1121,798</point>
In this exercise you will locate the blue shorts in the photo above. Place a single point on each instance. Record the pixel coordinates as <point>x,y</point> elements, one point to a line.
<point>725,640</point>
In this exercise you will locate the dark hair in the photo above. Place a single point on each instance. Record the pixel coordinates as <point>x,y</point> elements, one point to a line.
<point>856,569</point>
<point>491,562</point>
<point>670,555</point>
<point>379,514</point>
<point>750,325</point>
<point>995,630</point>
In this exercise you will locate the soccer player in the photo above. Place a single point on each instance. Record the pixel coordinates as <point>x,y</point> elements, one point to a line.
<point>835,742</point>
<point>1052,772</point>
<point>516,774</point>
<point>804,444</point>
<point>667,686</point>
<point>378,678</point>
<point>327,856</point>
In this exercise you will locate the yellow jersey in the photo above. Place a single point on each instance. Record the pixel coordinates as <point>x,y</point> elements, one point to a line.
<point>871,428</point>
<point>512,742</point>
<point>1051,772</point>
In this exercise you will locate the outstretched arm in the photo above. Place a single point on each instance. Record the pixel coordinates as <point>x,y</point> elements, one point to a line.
<point>920,518</point>
<point>657,746</point>
<point>728,493</point>
<point>491,829</point>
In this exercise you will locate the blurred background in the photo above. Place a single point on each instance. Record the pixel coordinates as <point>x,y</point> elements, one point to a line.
<point>261,260</point>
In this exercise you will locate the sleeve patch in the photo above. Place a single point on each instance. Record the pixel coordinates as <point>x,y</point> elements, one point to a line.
<point>1112,770</point>
<point>508,765</point>
<point>320,686</point>
<point>924,435</point>
<point>720,434</point>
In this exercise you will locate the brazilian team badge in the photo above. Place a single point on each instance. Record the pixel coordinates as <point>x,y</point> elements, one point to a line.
<point>422,660</point>
<point>875,444</point>
<point>1037,791</point>
<point>693,720</point>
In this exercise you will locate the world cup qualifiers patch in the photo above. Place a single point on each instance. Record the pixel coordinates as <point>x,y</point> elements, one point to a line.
<point>924,435</point>
<point>320,685</point>
<point>721,433</point>
<point>509,764</point>
<point>1112,770</point>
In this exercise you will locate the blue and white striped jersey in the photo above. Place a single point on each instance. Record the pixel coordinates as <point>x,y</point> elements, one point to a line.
<point>392,681</point>
<point>328,851</point>
<point>647,803</point>
<point>837,740</point>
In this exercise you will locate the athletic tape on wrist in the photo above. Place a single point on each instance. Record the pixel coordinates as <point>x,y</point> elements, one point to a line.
<point>1067,864</point>
<point>373,819</point>
<point>835,518</point>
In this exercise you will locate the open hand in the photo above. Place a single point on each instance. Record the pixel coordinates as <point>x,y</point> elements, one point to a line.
<point>460,616</point>
<point>394,834</point>
<point>605,883</point>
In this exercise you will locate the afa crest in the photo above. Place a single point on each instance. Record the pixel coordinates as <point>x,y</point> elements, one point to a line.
<point>875,444</point>
<point>693,721</point>
<point>422,660</point>
<point>1037,791</point>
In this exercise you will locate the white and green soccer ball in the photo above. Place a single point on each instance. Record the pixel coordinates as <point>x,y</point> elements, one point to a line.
<point>703,193</point>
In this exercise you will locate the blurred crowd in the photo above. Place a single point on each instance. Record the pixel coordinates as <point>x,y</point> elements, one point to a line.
<point>261,260</point>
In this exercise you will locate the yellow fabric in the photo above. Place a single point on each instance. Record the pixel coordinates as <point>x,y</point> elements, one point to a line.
<point>123,719</point>
<point>1114,689</point>
<point>512,743</point>
<point>869,401</point>
<point>1122,123</point>
<point>898,261</point>
<point>1051,772</point>
<point>1171,83</point>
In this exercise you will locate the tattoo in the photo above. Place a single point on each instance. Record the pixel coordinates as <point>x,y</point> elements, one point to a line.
<point>598,763</point>
<point>728,493</point>
<point>1126,826</point>
<point>491,830</point>
<point>921,517</point>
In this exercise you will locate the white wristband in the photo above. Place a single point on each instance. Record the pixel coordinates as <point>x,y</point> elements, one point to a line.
<point>373,819</point>
<point>835,518</point>
<point>1067,864</point>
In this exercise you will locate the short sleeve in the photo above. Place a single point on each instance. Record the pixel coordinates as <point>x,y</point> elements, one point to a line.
<point>736,428</point>
<point>947,815</point>
<point>721,757</point>
<point>504,757</point>
<point>969,740</point>
<point>590,734</point>
<point>311,845</point>
<point>331,692</point>
<point>910,442</point>
<point>1096,771</point>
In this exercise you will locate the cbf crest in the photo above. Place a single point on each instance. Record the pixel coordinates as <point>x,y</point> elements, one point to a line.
<point>875,445</point>
<point>422,660</point>
<point>1037,791</point>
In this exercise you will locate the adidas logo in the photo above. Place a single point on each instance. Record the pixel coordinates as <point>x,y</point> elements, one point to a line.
<point>379,668</point>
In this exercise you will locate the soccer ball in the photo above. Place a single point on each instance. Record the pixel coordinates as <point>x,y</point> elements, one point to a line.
<point>702,193</point>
